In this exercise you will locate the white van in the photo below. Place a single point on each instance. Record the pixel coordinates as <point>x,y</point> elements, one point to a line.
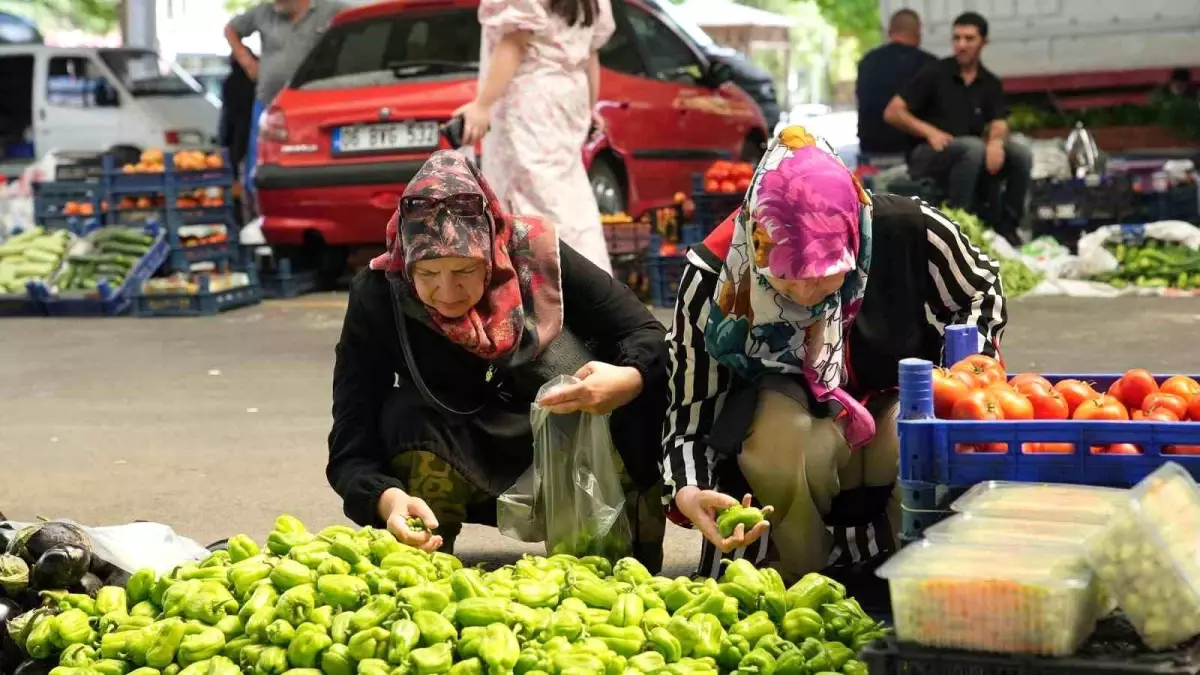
<point>88,100</point>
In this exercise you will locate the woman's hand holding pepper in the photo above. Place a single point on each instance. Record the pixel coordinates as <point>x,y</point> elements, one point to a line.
<point>701,506</point>
<point>397,507</point>
<point>602,388</point>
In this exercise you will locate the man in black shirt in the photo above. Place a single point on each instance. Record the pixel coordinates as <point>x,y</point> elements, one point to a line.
<point>881,74</point>
<point>957,107</point>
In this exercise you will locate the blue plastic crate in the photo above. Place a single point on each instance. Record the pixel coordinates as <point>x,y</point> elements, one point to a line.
<point>204,302</point>
<point>1181,202</point>
<point>189,180</point>
<point>1084,201</point>
<point>928,446</point>
<point>284,282</point>
<point>712,208</point>
<point>50,201</point>
<point>106,300</point>
<point>170,179</point>
<point>118,182</point>
<point>665,272</point>
<point>690,235</point>
<point>20,304</point>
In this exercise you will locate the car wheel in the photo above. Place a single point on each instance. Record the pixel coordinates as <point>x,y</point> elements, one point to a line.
<point>608,187</point>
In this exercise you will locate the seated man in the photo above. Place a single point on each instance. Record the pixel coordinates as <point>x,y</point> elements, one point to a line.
<point>881,74</point>
<point>957,107</point>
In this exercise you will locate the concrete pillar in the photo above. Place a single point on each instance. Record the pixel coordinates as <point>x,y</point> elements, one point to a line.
<point>139,23</point>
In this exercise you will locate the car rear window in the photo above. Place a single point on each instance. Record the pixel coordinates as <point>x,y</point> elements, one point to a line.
<point>412,45</point>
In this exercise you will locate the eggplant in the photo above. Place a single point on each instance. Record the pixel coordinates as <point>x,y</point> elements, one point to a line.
<point>34,541</point>
<point>14,575</point>
<point>119,577</point>
<point>60,567</point>
<point>89,585</point>
<point>10,651</point>
<point>35,667</point>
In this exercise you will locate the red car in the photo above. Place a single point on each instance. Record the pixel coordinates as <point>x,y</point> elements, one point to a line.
<point>362,113</point>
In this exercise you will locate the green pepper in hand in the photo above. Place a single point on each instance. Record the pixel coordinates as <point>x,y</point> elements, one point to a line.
<point>730,518</point>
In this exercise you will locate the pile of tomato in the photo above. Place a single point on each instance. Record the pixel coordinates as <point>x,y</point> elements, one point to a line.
<point>978,388</point>
<point>728,177</point>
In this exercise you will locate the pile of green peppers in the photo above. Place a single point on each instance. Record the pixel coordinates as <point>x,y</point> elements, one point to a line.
<point>357,602</point>
<point>1154,264</point>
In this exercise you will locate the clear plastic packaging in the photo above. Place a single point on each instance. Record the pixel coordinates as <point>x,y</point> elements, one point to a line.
<point>1042,501</point>
<point>1149,556</point>
<point>1006,599</point>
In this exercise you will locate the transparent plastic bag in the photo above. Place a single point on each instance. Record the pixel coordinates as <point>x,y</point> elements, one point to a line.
<point>571,497</point>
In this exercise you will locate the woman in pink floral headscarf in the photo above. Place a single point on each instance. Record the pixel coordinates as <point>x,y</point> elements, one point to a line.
<point>791,321</point>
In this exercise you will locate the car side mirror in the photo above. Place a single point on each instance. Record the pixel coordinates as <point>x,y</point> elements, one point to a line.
<point>718,74</point>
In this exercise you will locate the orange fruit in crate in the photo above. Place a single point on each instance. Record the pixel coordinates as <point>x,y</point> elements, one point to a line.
<point>712,185</point>
<point>144,203</point>
<point>743,184</point>
<point>185,203</point>
<point>213,161</point>
<point>152,156</point>
<point>86,209</point>
<point>728,186</point>
<point>668,248</point>
<point>680,198</point>
<point>70,209</point>
<point>129,168</point>
<point>104,205</point>
<point>127,203</point>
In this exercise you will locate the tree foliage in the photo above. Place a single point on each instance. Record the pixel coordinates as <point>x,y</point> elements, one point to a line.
<point>100,16</point>
<point>858,19</point>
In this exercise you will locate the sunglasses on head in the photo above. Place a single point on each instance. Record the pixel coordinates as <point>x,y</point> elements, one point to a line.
<point>461,205</point>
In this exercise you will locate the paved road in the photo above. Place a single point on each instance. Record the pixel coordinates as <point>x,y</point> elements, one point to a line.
<point>217,425</point>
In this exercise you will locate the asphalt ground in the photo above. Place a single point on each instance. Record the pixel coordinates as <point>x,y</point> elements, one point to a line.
<point>217,425</point>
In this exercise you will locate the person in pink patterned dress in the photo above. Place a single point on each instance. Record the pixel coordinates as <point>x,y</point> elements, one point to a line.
<point>539,78</point>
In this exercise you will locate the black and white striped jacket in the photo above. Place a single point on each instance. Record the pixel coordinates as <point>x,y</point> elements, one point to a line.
<point>925,276</point>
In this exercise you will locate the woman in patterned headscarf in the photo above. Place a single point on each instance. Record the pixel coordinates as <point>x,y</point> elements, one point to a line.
<point>791,321</point>
<point>444,342</point>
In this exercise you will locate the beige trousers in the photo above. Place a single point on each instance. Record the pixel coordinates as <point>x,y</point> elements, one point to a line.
<point>797,463</point>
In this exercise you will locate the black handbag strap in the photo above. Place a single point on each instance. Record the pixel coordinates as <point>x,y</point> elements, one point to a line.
<point>414,372</point>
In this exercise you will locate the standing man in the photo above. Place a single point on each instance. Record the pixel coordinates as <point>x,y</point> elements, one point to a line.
<point>956,106</point>
<point>881,74</point>
<point>288,30</point>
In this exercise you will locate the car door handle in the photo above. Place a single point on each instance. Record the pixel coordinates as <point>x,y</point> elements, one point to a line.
<point>385,201</point>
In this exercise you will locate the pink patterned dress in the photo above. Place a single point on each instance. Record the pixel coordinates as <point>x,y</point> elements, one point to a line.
<point>532,156</point>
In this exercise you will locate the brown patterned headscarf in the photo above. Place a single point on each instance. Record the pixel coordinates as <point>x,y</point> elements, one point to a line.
<point>521,309</point>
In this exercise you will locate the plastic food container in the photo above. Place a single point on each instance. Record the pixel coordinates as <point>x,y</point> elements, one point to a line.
<point>968,528</point>
<point>1042,501</point>
<point>1014,600</point>
<point>1150,557</point>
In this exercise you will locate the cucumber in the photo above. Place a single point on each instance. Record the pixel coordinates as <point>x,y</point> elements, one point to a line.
<point>132,236</point>
<point>135,250</point>
<point>40,256</point>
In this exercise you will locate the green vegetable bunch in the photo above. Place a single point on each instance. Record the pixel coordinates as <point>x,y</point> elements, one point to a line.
<point>32,255</point>
<point>1153,264</point>
<point>114,252</point>
<point>357,602</point>
<point>1016,276</point>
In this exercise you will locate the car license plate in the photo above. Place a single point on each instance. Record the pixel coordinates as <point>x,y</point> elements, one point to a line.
<point>381,137</point>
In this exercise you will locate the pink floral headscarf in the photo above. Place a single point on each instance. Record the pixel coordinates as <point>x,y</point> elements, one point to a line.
<point>805,217</point>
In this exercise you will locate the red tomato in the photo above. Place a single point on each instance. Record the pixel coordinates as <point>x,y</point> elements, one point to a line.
<point>1048,448</point>
<point>712,185</point>
<point>948,387</point>
<point>1137,416</point>
<point>728,186</point>
<point>668,249</point>
<point>1122,449</point>
<point>1181,385</point>
<point>1114,389</point>
<point>1160,401</point>
<point>977,404</point>
<point>743,184</point>
<point>1013,404</point>
<point>1048,404</point>
<point>984,369</point>
<point>1102,408</point>
<point>1181,450</point>
<point>1075,393</point>
<point>1020,381</point>
<point>981,448</point>
<point>1134,386</point>
<point>1193,409</point>
<point>1162,415</point>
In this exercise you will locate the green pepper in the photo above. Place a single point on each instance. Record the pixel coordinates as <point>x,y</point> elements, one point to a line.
<point>133,623</point>
<point>468,583</point>
<point>577,663</point>
<point>165,643</point>
<point>593,593</point>
<point>311,554</point>
<point>231,626</point>
<point>626,641</point>
<point>405,577</point>
<point>342,591</point>
<point>631,571</point>
<point>200,646</point>
<point>244,574</point>
<point>746,516</point>
<point>80,601</point>
<point>297,603</point>
<point>655,618</point>
<point>287,523</point>
<point>838,654</point>
<point>434,627</point>
<point>367,643</point>
<point>382,547</point>
<point>339,630</point>
<point>565,623</point>
<point>775,645</point>
<point>598,564</point>
<point>818,658</point>
<point>444,563</point>
<point>373,667</point>
<point>77,656</point>
<point>650,599</point>
<point>279,632</point>
<point>628,610</point>
<point>139,643</point>
<point>425,597</point>
<point>709,632</point>
<point>403,637</point>
<point>733,649</point>
<point>499,649</point>
<point>215,574</point>
<point>526,620</point>
<point>758,662</point>
<point>233,648</point>
<point>241,547</point>
<point>262,596</point>
<point>472,666</point>
<point>144,608</point>
<point>73,627</point>
<point>304,651</point>
<point>146,671</point>
<point>685,631</point>
<point>791,662</point>
<point>248,659</point>
<point>811,592</point>
<point>432,660</point>
<point>646,662</point>
<point>531,659</point>
<point>111,599</point>
<point>481,611</point>
<point>198,668</point>
<point>754,627</point>
<point>111,667</point>
<point>743,573</point>
<point>332,565</point>
<point>468,642</point>
<point>746,598</point>
<point>533,593</point>
<point>336,660</point>
<point>139,585</point>
<point>210,603</point>
<point>112,645</point>
<point>664,642</point>
<point>803,623</point>
<point>272,661</point>
<point>677,594</point>
<point>71,670</point>
<point>256,627</point>
<point>378,582</point>
<point>375,612</point>
<point>855,667</point>
<point>290,573</point>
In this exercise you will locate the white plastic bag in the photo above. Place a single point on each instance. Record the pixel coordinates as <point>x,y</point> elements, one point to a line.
<point>1095,259</point>
<point>134,546</point>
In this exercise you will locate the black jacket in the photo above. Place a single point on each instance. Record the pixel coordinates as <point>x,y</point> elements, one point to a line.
<point>370,374</point>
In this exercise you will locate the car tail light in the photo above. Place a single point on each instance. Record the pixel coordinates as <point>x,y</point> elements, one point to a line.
<point>273,126</point>
<point>175,137</point>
